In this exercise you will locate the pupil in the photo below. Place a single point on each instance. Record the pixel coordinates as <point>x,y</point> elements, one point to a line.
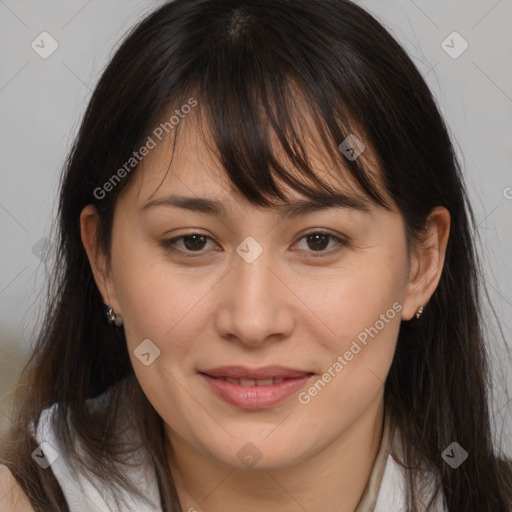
<point>195,241</point>
<point>315,238</point>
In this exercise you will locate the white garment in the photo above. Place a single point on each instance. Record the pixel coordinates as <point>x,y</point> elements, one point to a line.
<point>391,496</point>
<point>82,496</point>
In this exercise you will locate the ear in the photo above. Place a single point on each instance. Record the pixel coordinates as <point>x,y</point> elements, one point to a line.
<point>426,262</point>
<point>89,222</point>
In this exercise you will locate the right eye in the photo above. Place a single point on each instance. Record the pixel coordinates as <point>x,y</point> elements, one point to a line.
<point>192,243</point>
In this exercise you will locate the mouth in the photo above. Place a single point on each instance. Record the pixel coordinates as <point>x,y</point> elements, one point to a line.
<point>264,373</point>
<point>255,389</point>
<point>250,382</point>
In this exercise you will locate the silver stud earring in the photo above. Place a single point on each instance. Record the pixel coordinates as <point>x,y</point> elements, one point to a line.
<point>112,316</point>
<point>419,311</point>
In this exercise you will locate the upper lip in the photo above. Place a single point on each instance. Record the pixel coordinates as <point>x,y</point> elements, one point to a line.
<point>265,372</point>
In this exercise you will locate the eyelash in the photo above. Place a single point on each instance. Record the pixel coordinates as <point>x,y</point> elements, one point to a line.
<point>169,245</point>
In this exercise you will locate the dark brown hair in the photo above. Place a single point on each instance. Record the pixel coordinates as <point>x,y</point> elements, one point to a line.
<point>252,66</point>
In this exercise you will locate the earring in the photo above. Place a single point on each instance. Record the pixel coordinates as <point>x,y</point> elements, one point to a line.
<point>419,311</point>
<point>112,316</point>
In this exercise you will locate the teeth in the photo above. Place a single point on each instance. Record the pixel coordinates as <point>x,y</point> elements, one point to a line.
<point>252,382</point>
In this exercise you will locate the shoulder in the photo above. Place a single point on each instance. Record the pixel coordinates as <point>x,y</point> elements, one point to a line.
<point>12,496</point>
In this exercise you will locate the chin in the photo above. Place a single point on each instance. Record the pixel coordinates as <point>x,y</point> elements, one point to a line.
<point>242,453</point>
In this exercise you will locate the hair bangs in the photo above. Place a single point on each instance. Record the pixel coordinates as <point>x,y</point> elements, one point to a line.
<point>265,130</point>
<point>272,116</point>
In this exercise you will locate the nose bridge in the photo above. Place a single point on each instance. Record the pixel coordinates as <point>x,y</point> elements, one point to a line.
<point>252,278</point>
<point>254,306</point>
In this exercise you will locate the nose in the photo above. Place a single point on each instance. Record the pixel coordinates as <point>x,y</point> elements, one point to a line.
<point>254,304</point>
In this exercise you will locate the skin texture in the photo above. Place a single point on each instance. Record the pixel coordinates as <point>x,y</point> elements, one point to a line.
<point>288,308</point>
<point>11,495</point>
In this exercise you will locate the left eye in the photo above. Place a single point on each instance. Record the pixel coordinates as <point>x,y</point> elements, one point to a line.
<point>318,241</point>
<point>195,242</point>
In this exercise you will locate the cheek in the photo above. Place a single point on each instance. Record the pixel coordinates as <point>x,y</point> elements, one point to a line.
<point>160,306</point>
<point>367,290</point>
<point>364,321</point>
<point>159,300</point>
<point>362,310</point>
<point>366,329</point>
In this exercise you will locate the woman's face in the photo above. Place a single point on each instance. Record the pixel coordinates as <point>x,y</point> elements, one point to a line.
<point>251,290</point>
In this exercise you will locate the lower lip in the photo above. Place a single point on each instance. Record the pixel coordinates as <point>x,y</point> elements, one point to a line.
<point>256,397</point>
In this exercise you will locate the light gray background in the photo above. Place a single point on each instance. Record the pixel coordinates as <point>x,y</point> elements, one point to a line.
<point>42,101</point>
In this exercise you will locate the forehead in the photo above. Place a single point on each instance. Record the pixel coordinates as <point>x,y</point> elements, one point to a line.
<point>186,161</point>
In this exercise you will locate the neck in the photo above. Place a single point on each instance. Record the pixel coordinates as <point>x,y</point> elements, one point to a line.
<point>332,480</point>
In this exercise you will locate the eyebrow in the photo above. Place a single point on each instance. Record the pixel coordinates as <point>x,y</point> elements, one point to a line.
<point>289,209</point>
